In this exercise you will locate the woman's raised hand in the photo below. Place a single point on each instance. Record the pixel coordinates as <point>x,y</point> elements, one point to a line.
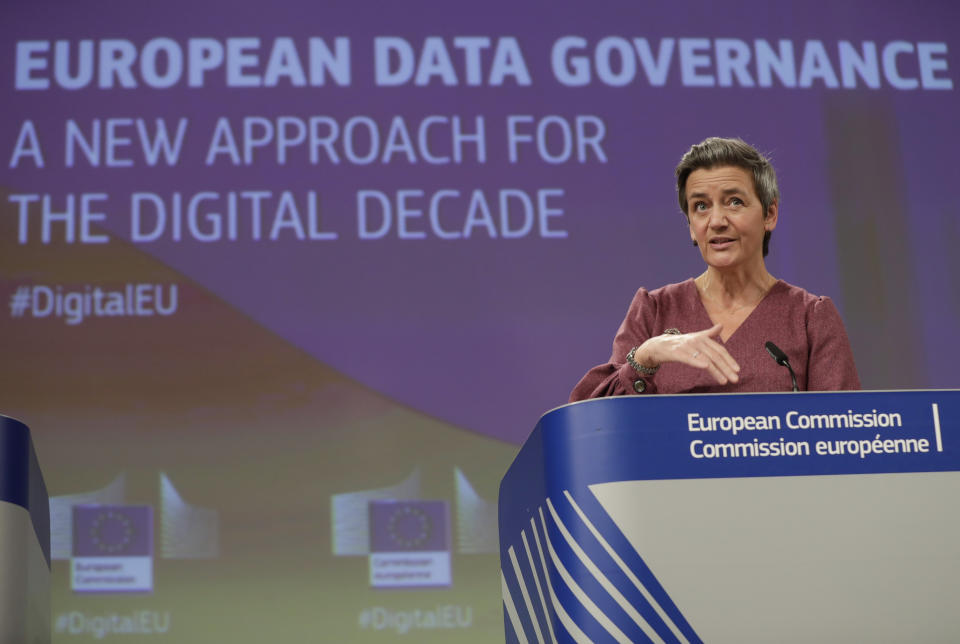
<point>698,349</point>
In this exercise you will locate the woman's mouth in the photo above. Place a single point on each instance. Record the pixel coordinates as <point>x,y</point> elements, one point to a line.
<point>720,243</point>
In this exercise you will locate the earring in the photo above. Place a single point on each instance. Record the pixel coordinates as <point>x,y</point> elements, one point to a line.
<point>694,242</point>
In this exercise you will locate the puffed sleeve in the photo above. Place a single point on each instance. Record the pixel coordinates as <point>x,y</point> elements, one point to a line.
<point>616,377</point>
<point>830,365</point>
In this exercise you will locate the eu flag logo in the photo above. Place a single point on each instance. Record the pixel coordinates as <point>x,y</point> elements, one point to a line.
<point>409,544</point>
<point>112,549</point>
<point>112,530</point>
<point>408,526</point>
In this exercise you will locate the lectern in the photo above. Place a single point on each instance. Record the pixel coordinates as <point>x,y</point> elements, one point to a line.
<point>807,517</point>
<point>24,540</point>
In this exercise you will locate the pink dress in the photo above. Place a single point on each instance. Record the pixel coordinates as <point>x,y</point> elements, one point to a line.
<point>806,327</point>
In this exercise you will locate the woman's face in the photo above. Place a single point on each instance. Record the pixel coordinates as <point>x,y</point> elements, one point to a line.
<point>726,218</point>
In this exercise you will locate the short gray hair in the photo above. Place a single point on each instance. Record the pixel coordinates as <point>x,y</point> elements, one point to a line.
<point>716,152</point>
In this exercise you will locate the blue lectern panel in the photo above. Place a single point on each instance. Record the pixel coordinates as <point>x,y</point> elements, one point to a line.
<point>740,518</point>
<point>24,539</point>
<point>21,482</point>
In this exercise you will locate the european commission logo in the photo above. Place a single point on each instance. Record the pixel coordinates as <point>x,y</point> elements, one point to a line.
<point>409,544</point>
<point>409,541</point>
<point>112,549</point>
<point>111,543</point>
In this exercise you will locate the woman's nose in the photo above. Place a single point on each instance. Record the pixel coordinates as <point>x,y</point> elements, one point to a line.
<point>717,218</point>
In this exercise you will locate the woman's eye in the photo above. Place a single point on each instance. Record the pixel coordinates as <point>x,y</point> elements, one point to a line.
<point>699,206</point>
<point>736,201</point>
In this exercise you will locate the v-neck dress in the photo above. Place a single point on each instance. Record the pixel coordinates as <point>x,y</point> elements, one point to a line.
<point>806,327</point>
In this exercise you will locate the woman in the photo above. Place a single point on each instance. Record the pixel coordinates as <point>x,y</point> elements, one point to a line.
<point>708,334</point>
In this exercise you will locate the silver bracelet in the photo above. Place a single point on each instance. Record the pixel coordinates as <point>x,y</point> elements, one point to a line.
<point>639,368</point>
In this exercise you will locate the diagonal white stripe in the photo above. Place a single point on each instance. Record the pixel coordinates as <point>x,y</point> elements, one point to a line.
<point>536,578</point>
<point>578,636</point>
<point>578,592</point>
<point>618,597</point>
<point>526,595</point>
<point>512,610</point>
<point>626,570</point>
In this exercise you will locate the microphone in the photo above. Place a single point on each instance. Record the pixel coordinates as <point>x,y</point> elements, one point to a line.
<point>782,360</point>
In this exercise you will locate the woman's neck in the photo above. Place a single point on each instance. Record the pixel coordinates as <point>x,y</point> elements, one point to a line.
<point>733,290</point>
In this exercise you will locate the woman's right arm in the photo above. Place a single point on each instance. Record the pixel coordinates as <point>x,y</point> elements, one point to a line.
<point>616,377</point>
